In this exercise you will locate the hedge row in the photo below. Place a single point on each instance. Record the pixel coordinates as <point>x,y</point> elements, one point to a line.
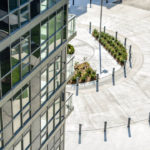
<point>113,46</point>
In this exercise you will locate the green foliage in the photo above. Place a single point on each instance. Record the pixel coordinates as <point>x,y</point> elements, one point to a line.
<point>84,72</point>
<point>70,49</point>
<point>115,47</point>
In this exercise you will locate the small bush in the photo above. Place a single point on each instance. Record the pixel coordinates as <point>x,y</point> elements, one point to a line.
<point>70,49</point>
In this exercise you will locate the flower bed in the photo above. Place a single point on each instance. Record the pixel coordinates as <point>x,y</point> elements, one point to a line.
<point>70,49</point>
<point>113,46</point>
<point>84,72</point>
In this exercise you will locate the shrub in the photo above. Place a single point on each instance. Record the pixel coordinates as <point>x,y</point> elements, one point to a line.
<point>70,49</point>
<point>115,47</point>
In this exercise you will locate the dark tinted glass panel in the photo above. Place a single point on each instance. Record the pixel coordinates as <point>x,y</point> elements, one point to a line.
<point>5,61</point>
<point>13,4</point>
<point>6,84</point>
<point>14,21</point>
<point>35,37</point>
<point>23,1</point>
<point>51,3</point>
<point>24,16</point>
<point>64,34</point>
<point>3,8</point>
<point>65,14</point>
<point>35,8</point>
<point>4,28</point>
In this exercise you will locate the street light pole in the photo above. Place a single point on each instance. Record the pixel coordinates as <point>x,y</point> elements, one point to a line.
<point>100,53</point>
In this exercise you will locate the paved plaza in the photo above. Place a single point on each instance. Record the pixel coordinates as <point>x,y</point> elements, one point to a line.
<point>130,97</point>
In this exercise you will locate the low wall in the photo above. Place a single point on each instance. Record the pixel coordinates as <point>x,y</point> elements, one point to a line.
<point>143,4</point>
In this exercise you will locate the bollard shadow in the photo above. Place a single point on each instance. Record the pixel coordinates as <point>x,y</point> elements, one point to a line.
<point>129,132</point>
<point>130,63</point>
<point>79,141</point>
<point>105,136</point>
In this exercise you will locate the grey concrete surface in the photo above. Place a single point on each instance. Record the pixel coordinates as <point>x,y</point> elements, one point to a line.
<point>130,97</point>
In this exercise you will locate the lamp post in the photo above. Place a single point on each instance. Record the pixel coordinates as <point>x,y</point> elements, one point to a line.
<point>100,53</point>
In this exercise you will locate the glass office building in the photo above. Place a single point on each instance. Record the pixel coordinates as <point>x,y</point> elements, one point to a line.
<point>34,71</point>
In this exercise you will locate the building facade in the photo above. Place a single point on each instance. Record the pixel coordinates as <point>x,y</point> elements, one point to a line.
<point>34,71</point>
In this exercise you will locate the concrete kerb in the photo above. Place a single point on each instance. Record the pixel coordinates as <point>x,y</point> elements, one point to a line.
<point>137,61</point>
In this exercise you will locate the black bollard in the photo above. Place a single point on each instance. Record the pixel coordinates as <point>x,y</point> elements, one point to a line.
<point>90,27</point>
<point>116,35</point>
<point>149,118</point>
<point>129,121</point>
<point>77,86</point>
<point>105,126</point>
<point>80,128</point>
<point>106,1</point>
<point>97,82</point>
<point>125,74</point>
<point>125,42</point>
<point>113,76</point>
<point>130,56</point>
<point>104,29</point>
<point>90,3</point>
<point>73,2</point>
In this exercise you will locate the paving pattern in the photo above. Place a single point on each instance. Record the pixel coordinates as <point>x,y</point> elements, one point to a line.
<point>130,97</point>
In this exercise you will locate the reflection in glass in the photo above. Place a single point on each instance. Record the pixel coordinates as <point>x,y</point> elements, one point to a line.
<point>16,75</point>
<point>57,81</point>
<point>25,48</point>
<point>3,8</point>
<point>6,84</point>
<point>24,15</point>
<point>14,21</point>
<point>13,4</point>
<point>59,20</point>
<point>51,45</point>
<point>43,5</point>
<point>43,32</point>
<point>50,115</point>
<point>52,25</point>
<point>4,28</point>
<point>15,55</point>
<point>57,65</point>
<point>58,38</point>
<point>51,3</point>
<point>25,67</point>
<point>23,1</point>
<point>34,8</point>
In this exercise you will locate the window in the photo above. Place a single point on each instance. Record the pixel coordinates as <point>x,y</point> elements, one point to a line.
<point>26,140</point>
<point>50,116</point>
<point>13,4</point>
<point>43,5</point>
<point>57,112</point>
<point>16,106</point>
<point>25,101</point>
<point>52,25</point>
<point>51,44</point>
<point>43,51</point>
<point>43,124</point>
<point>24,15</point>
<point>35,8</point>
<point>44,31</point>
<point>35,38</point>
<point>51,3</point>
<point>4,28</point>
<point>57,65</point>
<point>6,84</point>
<point>25,67</point>
<point>43,79</point>
<point>16,75</point>
<point>25,47</point>
<point>57,81</point>
<point>50,78</point>
<point>14,21</point>
<point>23,1</point>
<point>15,53</point>
<point>18,146</point>
<point>59,19</point>
<point>0,129</point>
<point>3,8</point>
<point>58,38</point>
<point>5,61</point>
